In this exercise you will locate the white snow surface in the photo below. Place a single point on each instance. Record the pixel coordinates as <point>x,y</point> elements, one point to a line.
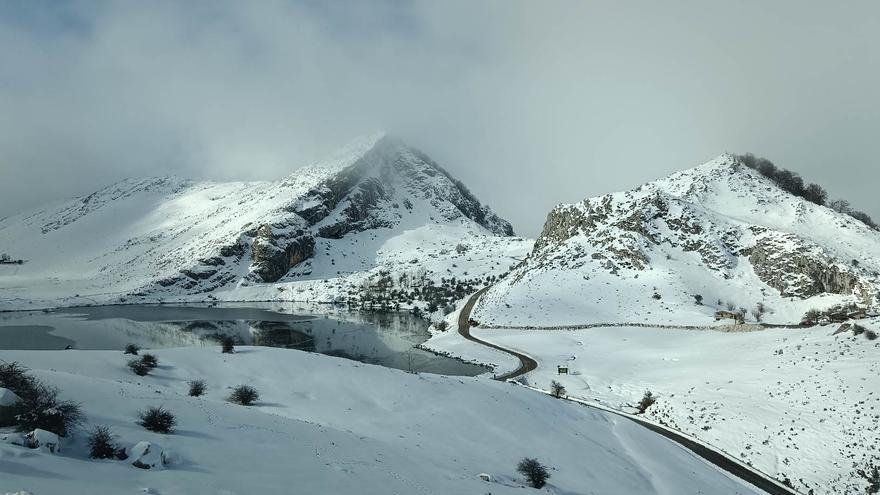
<point>328,425</point>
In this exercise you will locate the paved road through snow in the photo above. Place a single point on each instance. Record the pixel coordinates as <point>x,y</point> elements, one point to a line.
<point>526,363</point>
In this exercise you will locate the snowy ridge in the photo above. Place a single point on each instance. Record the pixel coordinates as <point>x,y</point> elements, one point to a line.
<point>720,231</point>
<point>167,239</point>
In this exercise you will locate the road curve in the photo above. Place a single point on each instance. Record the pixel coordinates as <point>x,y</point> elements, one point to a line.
<point>526,363</point>
<point>711,455</point>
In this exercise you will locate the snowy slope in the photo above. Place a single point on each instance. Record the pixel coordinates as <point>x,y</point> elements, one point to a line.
<point>328,425</point>
<point>721,231</point>
<point>798,404</point>
<point>374,204</point>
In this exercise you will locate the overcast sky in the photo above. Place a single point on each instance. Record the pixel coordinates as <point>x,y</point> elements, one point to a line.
<point>529,103</point>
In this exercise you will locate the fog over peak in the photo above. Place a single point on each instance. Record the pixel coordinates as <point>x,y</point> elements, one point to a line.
<point>529,104</point>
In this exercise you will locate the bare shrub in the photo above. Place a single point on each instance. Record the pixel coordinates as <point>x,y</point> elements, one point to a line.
<point>157,419</point>
<point>39,406</point>
<point>244,395</point>
<point>138,367</point>
<point>647,401</point>
<point>101,444</point>
<point>227,345</point>
<point>535,473</point>
<point>197,388</point>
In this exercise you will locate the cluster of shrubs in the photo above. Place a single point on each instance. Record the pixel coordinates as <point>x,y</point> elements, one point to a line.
<point>793,183</point>
<point>381,292</point>
<point>39,407</point>
<point>143,365</point>
<point>871,474</point>
<point>102,445</point>
<point>158,419</point>
<point>837,313</point>
<point>161,420</point>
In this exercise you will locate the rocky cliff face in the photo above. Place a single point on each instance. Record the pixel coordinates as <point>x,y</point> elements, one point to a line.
<point>797,269</point>
<point>278,248</point>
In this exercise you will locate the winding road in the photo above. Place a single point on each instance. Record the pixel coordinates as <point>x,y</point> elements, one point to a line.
<point>526,363</point>
<point>711,455</point>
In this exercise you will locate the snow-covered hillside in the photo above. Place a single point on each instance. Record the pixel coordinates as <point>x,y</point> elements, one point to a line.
<point>329,425</point>
<point>798,404</point>
<point>716,237</point>
<point>375,209</point>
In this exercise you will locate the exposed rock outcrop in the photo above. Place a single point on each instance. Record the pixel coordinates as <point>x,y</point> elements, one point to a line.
<point>148,455</point>
<point>796,269</point>
<point>278,248</point>
<point>43,440</point>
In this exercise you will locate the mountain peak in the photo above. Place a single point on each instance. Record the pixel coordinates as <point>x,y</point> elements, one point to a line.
<point>347,155</point>
<point>725,171</point>
<point>368,181</point>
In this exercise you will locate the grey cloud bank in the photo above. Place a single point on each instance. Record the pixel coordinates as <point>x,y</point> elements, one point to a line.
<point>530,104</point>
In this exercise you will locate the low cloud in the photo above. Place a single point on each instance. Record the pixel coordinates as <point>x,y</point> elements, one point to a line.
<point>530,104</point>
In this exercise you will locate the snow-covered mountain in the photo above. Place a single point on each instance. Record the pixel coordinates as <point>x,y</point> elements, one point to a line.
<point>375,206</point>
<point>716,237</point>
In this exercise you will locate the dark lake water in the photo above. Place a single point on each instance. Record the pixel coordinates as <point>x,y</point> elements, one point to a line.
<point>386,339</point>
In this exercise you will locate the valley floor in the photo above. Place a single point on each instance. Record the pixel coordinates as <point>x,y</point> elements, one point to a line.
<point>801,404</point>
<point>329,425</point>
